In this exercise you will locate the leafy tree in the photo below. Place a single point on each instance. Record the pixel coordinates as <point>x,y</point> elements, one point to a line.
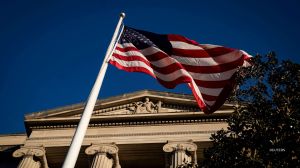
<point>264,130</point>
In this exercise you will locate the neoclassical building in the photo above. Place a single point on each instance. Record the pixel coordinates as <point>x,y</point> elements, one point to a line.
<point>145,129</point>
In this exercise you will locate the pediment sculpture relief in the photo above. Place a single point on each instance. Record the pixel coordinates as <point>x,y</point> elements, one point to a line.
<point>145,107</point>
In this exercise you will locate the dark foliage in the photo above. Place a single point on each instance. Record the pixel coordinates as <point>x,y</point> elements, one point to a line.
<point>264,130</point>
<point>188,165</point>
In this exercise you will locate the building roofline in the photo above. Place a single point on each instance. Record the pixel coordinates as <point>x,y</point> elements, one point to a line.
<point>13,134</point>
<point>80,106</point>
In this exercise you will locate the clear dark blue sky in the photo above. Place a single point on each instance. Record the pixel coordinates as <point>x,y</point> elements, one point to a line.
<point>50,51</point>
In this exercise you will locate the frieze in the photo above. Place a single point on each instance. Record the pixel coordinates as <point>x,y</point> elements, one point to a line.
<point>130,134</point>
<point>134,123</point>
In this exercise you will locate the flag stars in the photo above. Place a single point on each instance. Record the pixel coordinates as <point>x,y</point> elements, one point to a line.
<point>136,38</point>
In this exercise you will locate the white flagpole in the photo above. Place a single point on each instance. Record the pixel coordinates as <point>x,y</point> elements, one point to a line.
<point>77,140</point>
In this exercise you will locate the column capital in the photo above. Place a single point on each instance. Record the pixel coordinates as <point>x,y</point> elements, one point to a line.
<point>180,152</point>
<point>172,146</point>
<point>102,148</point>
<point>100,151</point>
<point>30,151</point>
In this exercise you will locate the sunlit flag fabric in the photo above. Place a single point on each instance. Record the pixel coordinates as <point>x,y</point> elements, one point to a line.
<point>173,59</point>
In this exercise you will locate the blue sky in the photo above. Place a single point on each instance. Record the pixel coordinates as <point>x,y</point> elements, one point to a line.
<point>51,51</point>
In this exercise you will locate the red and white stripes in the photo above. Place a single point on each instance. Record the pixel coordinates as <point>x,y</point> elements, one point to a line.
<point>208,69</point>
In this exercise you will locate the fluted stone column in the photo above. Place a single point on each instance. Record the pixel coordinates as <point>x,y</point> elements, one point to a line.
<point>29,162</point>
<point>33,157</point>
<point>180,153</point>
<point>105,155</point>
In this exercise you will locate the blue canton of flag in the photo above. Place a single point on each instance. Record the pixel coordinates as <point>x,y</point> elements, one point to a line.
<point>136,38</point>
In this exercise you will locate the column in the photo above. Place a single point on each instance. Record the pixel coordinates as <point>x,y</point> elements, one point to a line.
<point>180,153</point>
<point>105,155</point>
<point>33,157</point>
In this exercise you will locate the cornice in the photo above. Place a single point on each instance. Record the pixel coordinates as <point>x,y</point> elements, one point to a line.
<point>127,120</point>
<point>129,135</point>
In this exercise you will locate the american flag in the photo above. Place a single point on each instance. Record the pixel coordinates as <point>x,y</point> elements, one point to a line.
<point>173,59</point>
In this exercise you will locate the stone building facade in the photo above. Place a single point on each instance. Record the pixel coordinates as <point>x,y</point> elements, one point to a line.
<point>145,129</point>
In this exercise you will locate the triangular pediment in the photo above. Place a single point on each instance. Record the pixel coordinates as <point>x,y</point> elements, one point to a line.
<point>137,103</point>
<point>138,108</point>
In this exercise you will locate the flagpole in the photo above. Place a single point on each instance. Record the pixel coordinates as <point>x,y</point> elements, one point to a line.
<point>77,140</point>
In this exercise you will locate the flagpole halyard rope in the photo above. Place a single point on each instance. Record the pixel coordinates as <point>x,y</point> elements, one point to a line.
<point>108,58</point>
